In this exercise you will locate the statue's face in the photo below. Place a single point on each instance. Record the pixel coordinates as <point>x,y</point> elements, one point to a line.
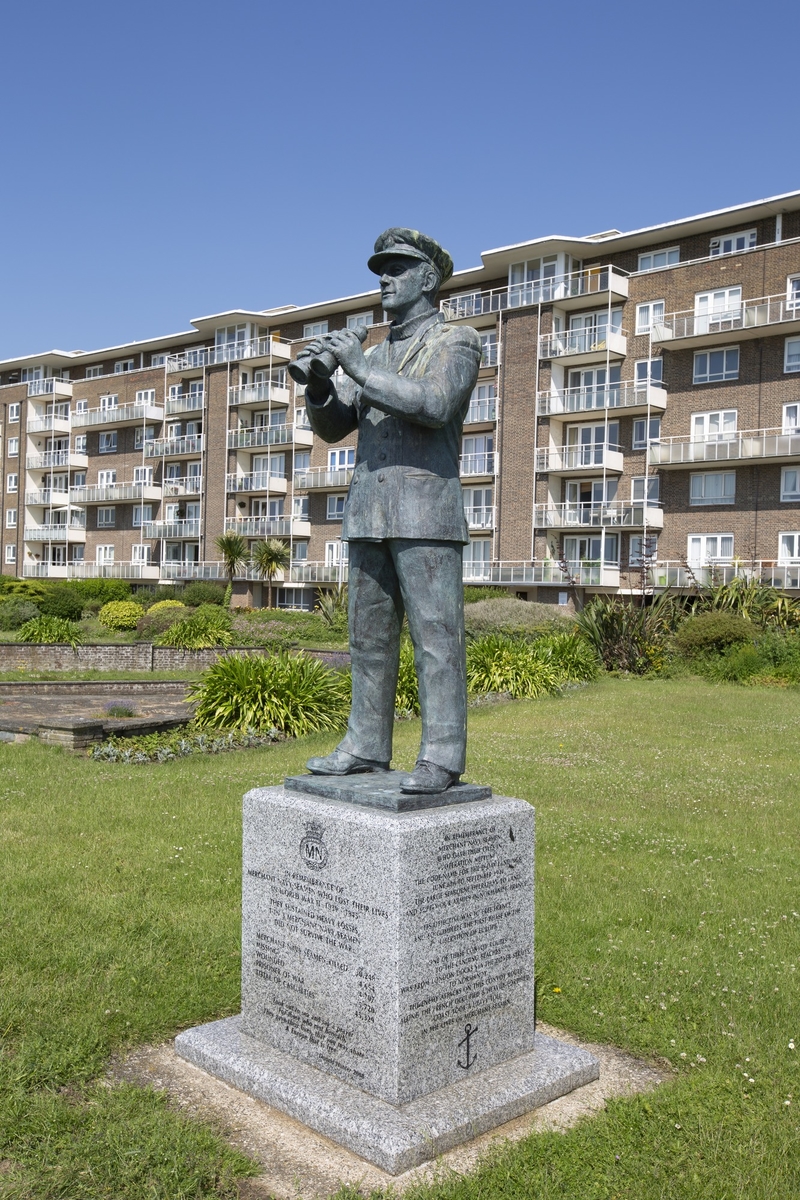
<point>403,281</point>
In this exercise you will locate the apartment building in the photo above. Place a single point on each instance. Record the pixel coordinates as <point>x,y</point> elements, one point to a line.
<point>635,425</point>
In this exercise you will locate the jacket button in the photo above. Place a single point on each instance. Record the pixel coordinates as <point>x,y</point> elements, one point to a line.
<point>381,477</point>
<point>386,433</point>
<point>382,457</point>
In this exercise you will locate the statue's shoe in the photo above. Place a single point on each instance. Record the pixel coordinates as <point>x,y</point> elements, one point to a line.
<point>339,762</point>
<point>427,778</point>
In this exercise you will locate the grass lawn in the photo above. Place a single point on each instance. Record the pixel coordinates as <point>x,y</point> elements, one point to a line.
<point>668,819</point>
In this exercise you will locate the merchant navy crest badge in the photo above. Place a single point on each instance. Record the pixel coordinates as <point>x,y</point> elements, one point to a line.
<point>313,851</point>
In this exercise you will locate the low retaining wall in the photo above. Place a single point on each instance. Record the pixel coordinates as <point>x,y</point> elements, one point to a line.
<point>136,656</point>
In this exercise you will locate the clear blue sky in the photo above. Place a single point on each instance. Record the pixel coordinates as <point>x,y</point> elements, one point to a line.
<point>166,160</point>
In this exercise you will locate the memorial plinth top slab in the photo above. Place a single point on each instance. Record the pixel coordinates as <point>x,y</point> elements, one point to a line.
<point>381,789</point>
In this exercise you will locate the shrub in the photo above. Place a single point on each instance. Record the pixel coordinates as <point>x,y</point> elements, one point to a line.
<point>407,695</point>
<point>736,664</point>
<point>177,743</point>
<point>629,637</point>
<point>163,605</point>
<point>514,617</point>
<point>63,601</point>
<point>713,632</point>
<point>498,663</point>
<point>158,620</point>
<point>50,630</point>
<point>209,626</point>
<point>292,693</point>
<point>332,607</point>
<point>572,658</point>
<point>15,612</point>
<point>120,614</point>
<point>101,589</point>
<point>474,593</point>
<point>200,591</point>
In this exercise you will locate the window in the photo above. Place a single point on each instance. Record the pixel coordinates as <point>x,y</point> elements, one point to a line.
<point>125,364</point>
<point>335,508</point>
<point>79,479</point>
<point>94,372</point>
<point>13,413</point>
<point>140,553</point>
<point>11,554</point>
<point>592,548</point>
<point>488,349</point>
<point>11,518</point>
<point>81,406</point>
<point>302,460</point>
<point>651,369</point>
<point>642,550</point>
<point>714,426</point>
<point>709,547</point>
<point>532,282</point>
<point>791,418</point>
<point>109,402</point>
<point>142,513</point>
<point>477,558</point>
<point>300,508</point>
<point>108,442</point>
<point>336,553</point>
<point>732,243</point>
<point>76,553</point>
<point>789,547</point>
<point>140,435</point>
<point>315,329</point>
<point>793,292</point>
<point>339,459</point>
<point>791,361</point>
<point>718,310</point>
<point>158,360</point>
<point>13,447</point>
<point>646,487</point>
<point>104,554</point>
<point>12,482</point>
<point>648,315</point>
<point>80,443</point>
<point>143,475</point>
<point>106,518</point>
<point>655,259</point>
<point>642,435</point>
<point>356,319</point>
<point>713,487</point>
<point>146,396</point>
<point>106,478</point>
<point>300,552</point>
<point>713,366</point>
<point>790,483</point>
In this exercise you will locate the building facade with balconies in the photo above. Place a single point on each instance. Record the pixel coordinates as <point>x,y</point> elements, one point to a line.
<point>635,425</point>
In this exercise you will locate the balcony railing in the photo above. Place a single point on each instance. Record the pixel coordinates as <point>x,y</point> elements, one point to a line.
<point>44,570</point>
<point>47,496</point>
<point>576,285</point>
<point>481,410</point>
<point>192,402</point>
<point>165,447</point>
<point>117,415</point>
<point>171,529</point>
<point>480,518</point>
<point>113,570</point>
<point>600,456</point>
<point>210,356</point>
<point>56,533</point>
<point>49,387</point>
<point>785,576</point>
<point>733,447</point>
<point>259,526</point>
<point>256,481</point>
<point>204,570</point>
<point>184,485</point>
<point>56,458</point>
<point>262,435</point>
<point>543,571</point>
<point>114,492</point>
<point>486,463</point>
<point>734,318</point>
<point>258,393</point>
<point>629,396</point>
<point>318,572</point>
<point>52,422</point>
<point>588,343</point>
<point>320,477</point>
<point>612,514</point>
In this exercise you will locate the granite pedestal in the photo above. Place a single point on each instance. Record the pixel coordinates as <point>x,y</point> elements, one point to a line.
<point>387,972</point>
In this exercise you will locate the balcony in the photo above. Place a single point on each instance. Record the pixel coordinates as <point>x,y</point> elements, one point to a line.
<point>568,291</point>
<point>74,532</point>
<point>771,573</point>
<point>203,570</point>
<point>57,458</point>
<point>318,572</point>
<point>113,570</point>
<point>182,485</point>
<point>480,518</point>
<point>580,460</point>
<point>49,387</point>
<point>193,402</point>
<point>614,514</point>
<point>181,447</point>
<point>44,570</point>
<point>114,493</point>
<point>53,422</point>
<point>257,481</point>
<point>320,479</point>
<point>48,497</point>
<point>486,464</point>
<point>210,356</point>
<point>257,395</point>
<point>119,415</point>
<point>631,399</point>
<point>543,571</point>
<point>269,435</point>
<point>171,529</point>
<point>754,445</point>
<point>748,319</point>
<point>584,345</point>
<point>268,527</point>
<point>481,411</point>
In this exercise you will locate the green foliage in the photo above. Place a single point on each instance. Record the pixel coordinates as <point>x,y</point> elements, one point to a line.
<point>228,596</point>
<point>629,637</point>
<point>177,743</point>
<point>407,696</point>
<point>159,618</point>
<point>269,557</point>
<point>15,611</point>
<point>514,617</point>
<point>473,593</point>
<point>202,591</point>
<point>713,631</point>
<point>292,693</point>
<point>744,596</point>
<point>209,626</point>
<point>499,663</point>
<point>232,548</point>
<point>571,656</point>
<point>120,614</point>
<point>62,600</point>
<point>332,607</point>
<point>50,630</point>
<point>163,605</point>
<point>773,660</point>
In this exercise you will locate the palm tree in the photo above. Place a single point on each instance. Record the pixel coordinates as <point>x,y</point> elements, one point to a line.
<point>233,549</point>
<point>269,557</point>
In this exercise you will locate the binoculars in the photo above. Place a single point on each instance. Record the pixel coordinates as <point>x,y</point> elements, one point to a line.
<point>308,366</point>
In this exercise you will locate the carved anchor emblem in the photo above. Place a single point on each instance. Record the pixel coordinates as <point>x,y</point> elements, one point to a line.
<point>470,1031</point>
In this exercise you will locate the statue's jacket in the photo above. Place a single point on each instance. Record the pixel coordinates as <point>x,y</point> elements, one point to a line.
<point>409,417</point>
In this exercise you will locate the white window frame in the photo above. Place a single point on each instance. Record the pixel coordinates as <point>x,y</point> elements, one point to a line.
<point>124,365</point>
<point>719,245</point>
<point>80,443</point>
<point>642,437</point>
<point>94,372</point>
<point>143,475</point>
<point>300,552</point>
<point>140,553</point>
<point>783,545</point>
<point>653,484</point>
<point>13,413</point>
<point>349,454</point>
<point>793,292</point>
<point>142,514</point>
<point>108,441</point>
<point>12,482</point>
<point>728,372</point>
<point>107,478</point>
<point>791,418</point>
<point>697,493</point>
<point>315,329</point>
<point>643,373</point>
<point>11,554</point>
<point>158,360</point>
<point>355,320</point>
<point>337,553</point>
<point>334,504</point>
<point>718,425</point>
<point>81,406</point>
<point>636,548</point>
<point>300,508</point>
<point>110,402</point>
<point>107,517</point>
<point>11,518</point>
<point>13,447</point>
<point>146,396</point>
<point>790,495</point>
<point>672,255</point>
<point>718,307</point>
<point>104,555</point>
<point>791,355</point>
<point>703,540</point>
<point>142,434</point>
<point>649,314</point>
